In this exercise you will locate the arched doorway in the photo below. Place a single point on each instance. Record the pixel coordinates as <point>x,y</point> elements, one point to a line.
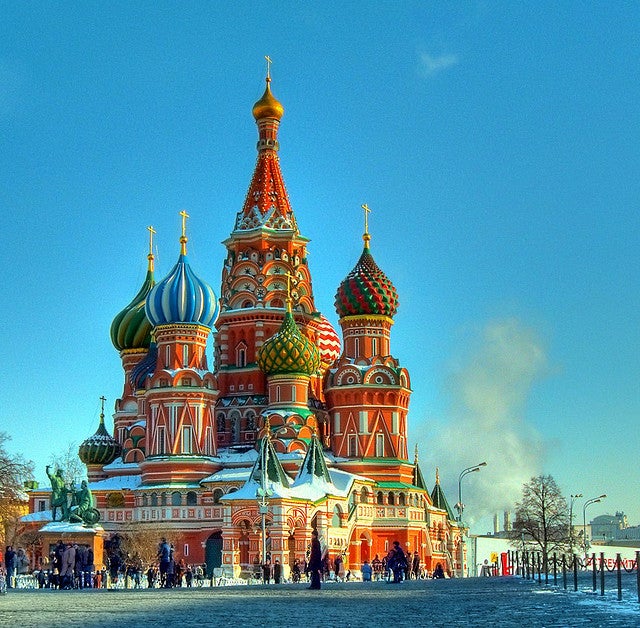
<point>365,551</point>
<point>213,552</point>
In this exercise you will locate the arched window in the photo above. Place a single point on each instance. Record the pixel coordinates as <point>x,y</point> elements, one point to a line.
<point>380,498</point>
<point>192,498</point>
<point>154,499</point>
<point>145,500</point>
<point>220,422</point>
<point>176,498</point>
<point>163,499</point>
<point>336,519</point>
<point>217,494</point>
<point>364,496</point>
<point>241,355</point>
<point>391,499</point>
<point>185,355</point>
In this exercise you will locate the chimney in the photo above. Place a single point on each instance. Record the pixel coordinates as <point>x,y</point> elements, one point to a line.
<point>507,521</point>
<point>496,523</point>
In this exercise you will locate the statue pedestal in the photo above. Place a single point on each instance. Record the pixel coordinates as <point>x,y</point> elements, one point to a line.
<point>74,533</point>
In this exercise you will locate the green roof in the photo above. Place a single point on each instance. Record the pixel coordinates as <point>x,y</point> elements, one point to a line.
<point>440,501</point>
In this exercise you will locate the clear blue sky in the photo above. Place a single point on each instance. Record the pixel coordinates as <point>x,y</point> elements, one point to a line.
<point>496,143</point>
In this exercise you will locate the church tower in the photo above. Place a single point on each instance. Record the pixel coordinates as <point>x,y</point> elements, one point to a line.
<point>180,395</point>
<point>264,247</point>
<point>367,390</point>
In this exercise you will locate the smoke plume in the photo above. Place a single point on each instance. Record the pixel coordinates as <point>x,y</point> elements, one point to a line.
<point>486,421</point>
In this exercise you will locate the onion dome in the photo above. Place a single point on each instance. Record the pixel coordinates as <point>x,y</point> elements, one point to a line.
<point>131,328</point>
<point>366,289</point>
<point>101,448</point>
<point>182,297</point>
<point>268,106</point>
<point>289,351</point>
<point>328,341</point>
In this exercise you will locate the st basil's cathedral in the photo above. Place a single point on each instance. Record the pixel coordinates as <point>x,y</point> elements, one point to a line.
<point>290,429</point>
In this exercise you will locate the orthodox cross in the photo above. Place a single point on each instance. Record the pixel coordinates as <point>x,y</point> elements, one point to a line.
<point>269,62</point>
<point>150,256</point>
<point>366,218</point>
<point>102,399</point>
<point>183,238</point>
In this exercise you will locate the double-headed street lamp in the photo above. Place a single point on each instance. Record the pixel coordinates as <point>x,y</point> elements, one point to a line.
<point>594,500</point>
<point>460,508</point>
<point>573,500</point>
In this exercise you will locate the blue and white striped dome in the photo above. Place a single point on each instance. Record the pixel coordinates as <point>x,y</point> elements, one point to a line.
<point>181,297</point>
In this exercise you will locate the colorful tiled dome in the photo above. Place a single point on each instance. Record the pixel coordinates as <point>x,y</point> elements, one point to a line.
<point>131,328</point>
<point>181,297</point>
<point>328,341</point>
<point>288,351</point>
<point>101,448</point>
<point>366,290</point>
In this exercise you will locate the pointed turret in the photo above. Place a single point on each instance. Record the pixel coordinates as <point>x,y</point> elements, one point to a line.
<point>314,467</point>
<point>439,500</point>
<point>267,204</point>
<point>267,468</point>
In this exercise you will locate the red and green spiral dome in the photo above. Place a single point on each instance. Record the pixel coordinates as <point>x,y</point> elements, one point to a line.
<point>366,290</point>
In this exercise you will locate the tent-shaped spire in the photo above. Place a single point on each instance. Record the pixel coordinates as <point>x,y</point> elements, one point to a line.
<point>267,467</point>
<point>314,466</point>
<point>439,500</point>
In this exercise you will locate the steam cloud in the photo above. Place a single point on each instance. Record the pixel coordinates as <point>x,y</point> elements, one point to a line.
<point>486,421</point>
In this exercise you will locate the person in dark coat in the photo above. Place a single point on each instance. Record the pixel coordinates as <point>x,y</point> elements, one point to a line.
<point>277,572</point>
<point>315,561</point>
<point>10,562</point>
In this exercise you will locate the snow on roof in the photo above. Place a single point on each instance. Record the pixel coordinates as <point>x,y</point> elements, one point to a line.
<point>43,515</point>
<point>117,483</point>
<point>232,474</point>
<point>64,527</point>
<point>117,464</point>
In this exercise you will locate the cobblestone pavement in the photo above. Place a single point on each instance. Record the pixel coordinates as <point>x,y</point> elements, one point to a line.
<point>473,602</point>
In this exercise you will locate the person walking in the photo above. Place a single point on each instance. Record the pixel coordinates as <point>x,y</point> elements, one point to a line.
<point>10,560</point>
<point>397,562</point>
<point>315,561</point>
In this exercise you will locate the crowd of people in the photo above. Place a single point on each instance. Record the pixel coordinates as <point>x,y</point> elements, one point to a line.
<point>71,566</point>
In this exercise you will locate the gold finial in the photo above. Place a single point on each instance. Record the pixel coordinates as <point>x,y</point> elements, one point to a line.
<point>150,256</point>
<point>267,427</point>
<point>269,62</point>
<point>289,298</point>
<point>102,400</point>
<point>437,475</point>
<point>183,237</point>
<point>366,237</point>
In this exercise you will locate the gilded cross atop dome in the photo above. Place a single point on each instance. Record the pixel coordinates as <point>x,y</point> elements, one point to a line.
<point>183,237</point>
<point>150,256</point>
<point>366,237</point>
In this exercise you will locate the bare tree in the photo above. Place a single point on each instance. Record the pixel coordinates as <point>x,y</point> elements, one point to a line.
<point>73,469</point>
<point>141,540</point>
<point>541,517</point>
<point>14,472</point>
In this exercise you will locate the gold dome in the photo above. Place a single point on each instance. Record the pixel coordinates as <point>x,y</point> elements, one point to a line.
<point>268,106</point>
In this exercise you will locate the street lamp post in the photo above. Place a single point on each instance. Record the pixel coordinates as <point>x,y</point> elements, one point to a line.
<point>460,508</point>
<point>594,500</point>
<point>573,500</point>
